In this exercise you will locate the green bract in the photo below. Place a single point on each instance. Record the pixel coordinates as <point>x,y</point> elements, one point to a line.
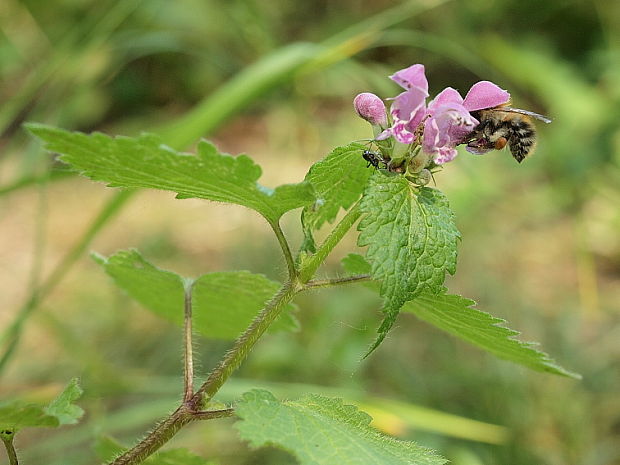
<point>338,180</point>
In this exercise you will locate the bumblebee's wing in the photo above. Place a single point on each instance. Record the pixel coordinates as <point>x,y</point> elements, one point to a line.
<point>526,112</point>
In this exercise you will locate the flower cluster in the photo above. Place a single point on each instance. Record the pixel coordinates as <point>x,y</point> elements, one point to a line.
<point>437,127</point>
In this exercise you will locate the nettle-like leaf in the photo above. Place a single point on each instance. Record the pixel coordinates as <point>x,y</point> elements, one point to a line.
<point>223,303</point>
<point>456,315</point>
<point>107,449</point>
<point>16,415</point>
<point>411,238</point>
<point>355,264</point>
<point>145,161</point>
<point>338,180</point>
<point>323,431</point>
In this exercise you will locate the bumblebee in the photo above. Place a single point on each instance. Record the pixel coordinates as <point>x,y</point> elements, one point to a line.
<point>373,158</point>
<point>503,126</point>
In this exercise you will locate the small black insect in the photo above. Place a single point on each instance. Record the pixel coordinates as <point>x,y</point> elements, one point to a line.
<point>373,158</point>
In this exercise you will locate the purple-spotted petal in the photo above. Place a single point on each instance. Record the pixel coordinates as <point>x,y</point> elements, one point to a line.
<point>454,123</point>
<point>412,77</point>
<point>449,125</point>
<point>485,94</point>
<point>445,154</point>
<point>401,134</point>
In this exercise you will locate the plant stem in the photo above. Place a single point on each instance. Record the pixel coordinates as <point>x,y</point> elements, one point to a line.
<point>188,371</point>
<point>10,449</point>
<point>288,256</point>
<point>162,433</point>
<point>187,412</point>
<point>244,343</point>
<point>210,414</point>
<point>317,283</point>
<point>311,264</point>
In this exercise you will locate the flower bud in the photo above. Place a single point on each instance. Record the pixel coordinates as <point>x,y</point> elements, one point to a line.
<point>418,162</point>
<point>371,108</point>
<point>424,177</point>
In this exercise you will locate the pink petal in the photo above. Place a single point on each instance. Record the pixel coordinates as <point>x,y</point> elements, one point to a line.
<point>401,134</point>
<point>485,94</point>
<point>445,155</point>
<point>386,134</point>
<point>407,104</point>
<point>412,77</point>
<point>430,141</point>
<point>445,97</point>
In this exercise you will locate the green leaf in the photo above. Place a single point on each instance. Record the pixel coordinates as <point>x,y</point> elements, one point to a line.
<point>456,315</point>
<point>61,411</point>
<point>411,238</point>
<point>338,180</point>
<point>63,407</point>
<point>356,264</point>
<point>323,431</point>
<point>223,303</point>
<point>145,161</point>
<point>107,449</point>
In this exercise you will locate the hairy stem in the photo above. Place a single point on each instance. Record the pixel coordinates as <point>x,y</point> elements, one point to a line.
<point>286,250</point>
<point>188,372</point>
<point>10,449</point>
<point>162,433</point>
<point>244,343</point>
<point>311,265</point>
<point>190,409</point>
<point>317,283</point>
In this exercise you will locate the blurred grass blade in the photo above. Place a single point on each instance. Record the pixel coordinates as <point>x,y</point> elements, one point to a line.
<point>89,36</point>
<point>27,181</point>
<point>236,94</point>
<point>366,33</point>
<point>11,336</point>
<point>395,417</point>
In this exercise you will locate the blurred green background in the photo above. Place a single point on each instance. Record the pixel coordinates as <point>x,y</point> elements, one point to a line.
<point>275,80</point>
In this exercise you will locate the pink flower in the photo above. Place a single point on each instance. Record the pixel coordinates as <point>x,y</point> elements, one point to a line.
<point>448,123</point>
<point>408,108</point>
<point>485,94</point>
<point>371,108</point>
